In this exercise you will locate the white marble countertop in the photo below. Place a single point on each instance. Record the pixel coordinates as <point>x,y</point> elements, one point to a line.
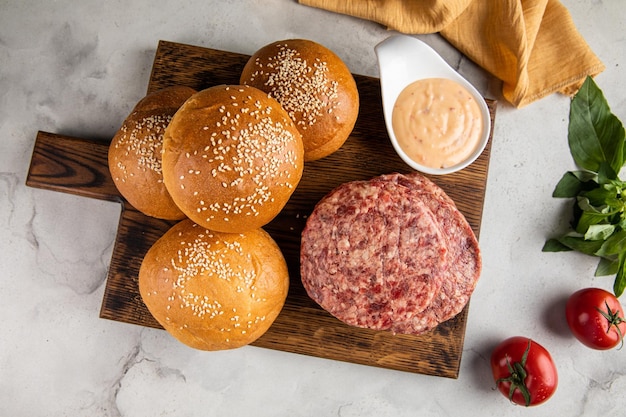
<point>76,68</point>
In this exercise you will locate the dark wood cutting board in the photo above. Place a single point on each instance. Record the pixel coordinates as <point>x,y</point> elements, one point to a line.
<point>79,166</point>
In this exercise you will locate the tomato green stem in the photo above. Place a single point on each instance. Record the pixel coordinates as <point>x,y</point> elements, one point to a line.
<point>517,377</point>
<point>613,319</point>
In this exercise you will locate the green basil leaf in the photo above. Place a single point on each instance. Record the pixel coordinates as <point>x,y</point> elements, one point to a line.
<point>614,245</point>
<point>591,215</point>
<point>588,220</point>
<point>606,267</point>
<point>569,186</point>
<point>585,204</point>
<point>587,177</point>
<point>606,194</point>
<point>599,231</point>
<point>553,245</point>
<point>595,135</point>
<point>579,244</point>
<point>606,172</point>
<point>620,278</point>
<point>574,182</point>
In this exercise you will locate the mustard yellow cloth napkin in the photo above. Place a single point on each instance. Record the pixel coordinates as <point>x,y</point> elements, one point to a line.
<point>531,45</point>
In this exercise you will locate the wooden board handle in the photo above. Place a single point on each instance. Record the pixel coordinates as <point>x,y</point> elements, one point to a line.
<point>72,165</point>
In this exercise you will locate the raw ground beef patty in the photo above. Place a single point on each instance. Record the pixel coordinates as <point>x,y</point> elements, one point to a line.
<point>390,253</point>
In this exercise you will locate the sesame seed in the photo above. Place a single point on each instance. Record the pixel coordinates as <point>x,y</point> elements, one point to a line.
<point>234,151</point>
<point>302,88</point>
<point>144,139</point>
<point>202,258</point>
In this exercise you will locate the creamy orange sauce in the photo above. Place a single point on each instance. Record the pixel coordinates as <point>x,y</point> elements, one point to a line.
<point>437,122</point>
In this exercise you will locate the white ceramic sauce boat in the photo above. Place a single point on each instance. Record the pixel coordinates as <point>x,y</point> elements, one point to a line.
<point>404,59</point>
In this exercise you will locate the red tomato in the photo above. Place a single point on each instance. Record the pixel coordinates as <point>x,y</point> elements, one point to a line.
<point>596,318</point>
<point>524,371</point>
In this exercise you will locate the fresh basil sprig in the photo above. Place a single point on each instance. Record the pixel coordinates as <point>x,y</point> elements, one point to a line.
<point>596,141</point>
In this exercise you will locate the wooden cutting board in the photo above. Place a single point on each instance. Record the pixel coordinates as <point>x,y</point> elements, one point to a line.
<point>79,166</point>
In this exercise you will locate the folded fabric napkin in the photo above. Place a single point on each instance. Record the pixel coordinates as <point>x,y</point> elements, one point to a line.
<point>531,45</point>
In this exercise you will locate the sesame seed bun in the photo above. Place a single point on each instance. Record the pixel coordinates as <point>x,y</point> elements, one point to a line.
<point>135,153</point>
<point>232,157</point>
<point>315,87</point>
<point>211,290</point>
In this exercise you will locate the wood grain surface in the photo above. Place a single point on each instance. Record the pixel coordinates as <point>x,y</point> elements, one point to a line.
<point>79,166</point>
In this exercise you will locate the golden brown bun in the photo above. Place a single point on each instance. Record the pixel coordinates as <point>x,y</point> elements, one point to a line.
<point>315,87</point>
<point>232,157</point>
<point>211,290</point>
<point>135,153</point>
